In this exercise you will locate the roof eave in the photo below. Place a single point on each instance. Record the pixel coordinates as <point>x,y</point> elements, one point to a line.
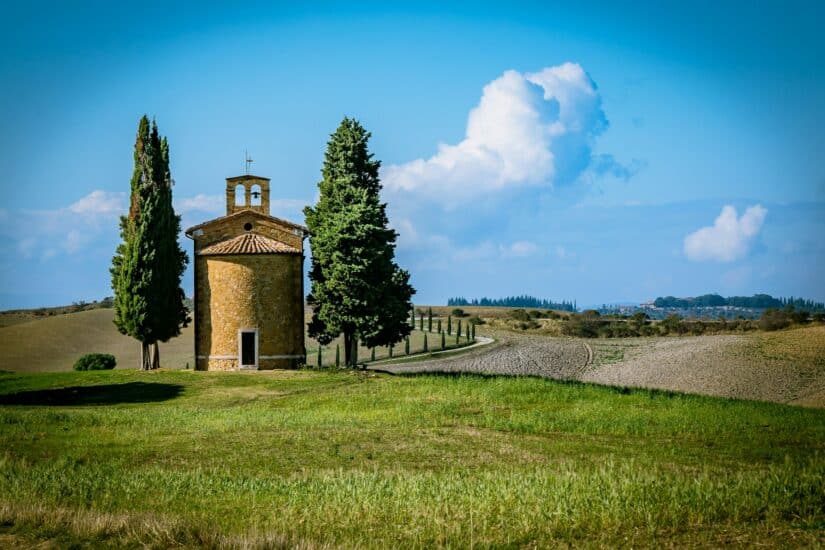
<point>288,223</point>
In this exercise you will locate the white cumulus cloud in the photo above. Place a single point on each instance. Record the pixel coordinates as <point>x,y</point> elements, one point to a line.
<point>729,238</point>
<point>528,129</point>
<point>100,203</point>
<point>201,203</point>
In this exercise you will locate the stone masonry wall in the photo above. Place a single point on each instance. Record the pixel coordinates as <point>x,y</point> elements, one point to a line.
<point>262,291</point>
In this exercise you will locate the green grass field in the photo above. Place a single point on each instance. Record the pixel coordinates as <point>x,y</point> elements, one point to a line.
<point>310,458</point>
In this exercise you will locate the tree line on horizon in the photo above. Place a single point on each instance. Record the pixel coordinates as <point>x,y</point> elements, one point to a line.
<point>757,301</point>
<point>523,301</point>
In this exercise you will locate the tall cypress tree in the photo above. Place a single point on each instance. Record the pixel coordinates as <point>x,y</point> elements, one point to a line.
<point>149,262</point>
<point>357,288</point>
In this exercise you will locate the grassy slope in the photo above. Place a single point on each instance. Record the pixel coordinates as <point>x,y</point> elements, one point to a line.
<point>363,460</point>
<point>55,343</point>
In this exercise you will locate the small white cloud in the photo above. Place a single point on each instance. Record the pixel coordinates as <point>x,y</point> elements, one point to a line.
<point>100,203</point>
<point>407,235</point>
<point>68,230</point>
<point>528,129</point>
<point>480,251</point>
<point>74,241</point>
<point>27,246</point>
<point>729,238</point>
<point>519,249</point>
<point>201,203</point>
<point>291,209</point>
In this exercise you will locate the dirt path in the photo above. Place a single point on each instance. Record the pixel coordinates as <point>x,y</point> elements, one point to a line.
<point>512,354</point>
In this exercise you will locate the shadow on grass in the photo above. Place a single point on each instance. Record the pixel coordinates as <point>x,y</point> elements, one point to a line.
<point>106,394</point>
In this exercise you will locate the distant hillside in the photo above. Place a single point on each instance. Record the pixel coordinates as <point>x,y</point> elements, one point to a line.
<point>14,316</point>
<point>514,301</point>
<point>55,342</point>
<point>757,301</point>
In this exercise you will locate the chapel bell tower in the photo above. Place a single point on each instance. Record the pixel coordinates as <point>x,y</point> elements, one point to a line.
<point>247,193</point>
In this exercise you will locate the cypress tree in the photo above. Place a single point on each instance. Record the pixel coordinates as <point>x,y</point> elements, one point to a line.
<point>149,262</point>
<point>407,345</point>
<point>390,350</point>
<point>372,354</point>
<point>320,363</point>
<point>458,330</point>
<point>357,288</point>
<point>425,343</point>
<point>449,324</point>
<point>467,332</point>
<point>443,341</point>
<point>439,325</point>
<point>412,317</point>
<point>337,355</point>
<point>473,334</point>
<point>429,319</point>
<point>421,325</point>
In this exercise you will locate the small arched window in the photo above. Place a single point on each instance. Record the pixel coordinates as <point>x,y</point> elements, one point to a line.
<point>256,195</point>
<point>240,195</point>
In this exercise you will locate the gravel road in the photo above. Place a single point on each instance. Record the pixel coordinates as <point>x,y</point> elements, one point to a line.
<point>512,354</point>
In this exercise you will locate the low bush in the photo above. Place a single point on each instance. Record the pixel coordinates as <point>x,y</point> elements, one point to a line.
<point>519,315</point>
<point>95,361</point>
<point>774,319</point>
<point>476,320</point>
<point>458,312</point>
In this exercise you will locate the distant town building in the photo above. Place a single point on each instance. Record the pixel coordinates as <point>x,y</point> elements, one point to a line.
<point>249,295</point>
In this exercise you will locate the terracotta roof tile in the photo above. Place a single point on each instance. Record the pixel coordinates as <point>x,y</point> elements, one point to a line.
<point>249,243</point>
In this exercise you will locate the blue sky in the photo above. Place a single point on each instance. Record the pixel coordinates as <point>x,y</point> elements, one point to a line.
<point>598,151</point>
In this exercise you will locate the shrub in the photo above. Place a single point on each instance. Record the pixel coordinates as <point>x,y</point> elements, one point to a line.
<point>475,320</point>
<point>585,327</point>
<point>774,319</point>
<point>536,314</point>
<point>800,316</point>
<point>672,323</point>
<point>458,312</point>
<point>519,315</point>
<point>648,330</point>
<point>96,361</point>
<point>819,317</point>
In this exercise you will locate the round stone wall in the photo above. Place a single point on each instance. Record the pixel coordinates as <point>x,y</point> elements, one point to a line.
<point>249,291</point>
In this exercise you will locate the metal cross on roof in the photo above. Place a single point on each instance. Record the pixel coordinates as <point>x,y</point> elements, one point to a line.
<point>247,160</point>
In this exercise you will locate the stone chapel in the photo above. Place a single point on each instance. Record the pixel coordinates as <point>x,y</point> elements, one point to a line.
<point>249,284</point>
